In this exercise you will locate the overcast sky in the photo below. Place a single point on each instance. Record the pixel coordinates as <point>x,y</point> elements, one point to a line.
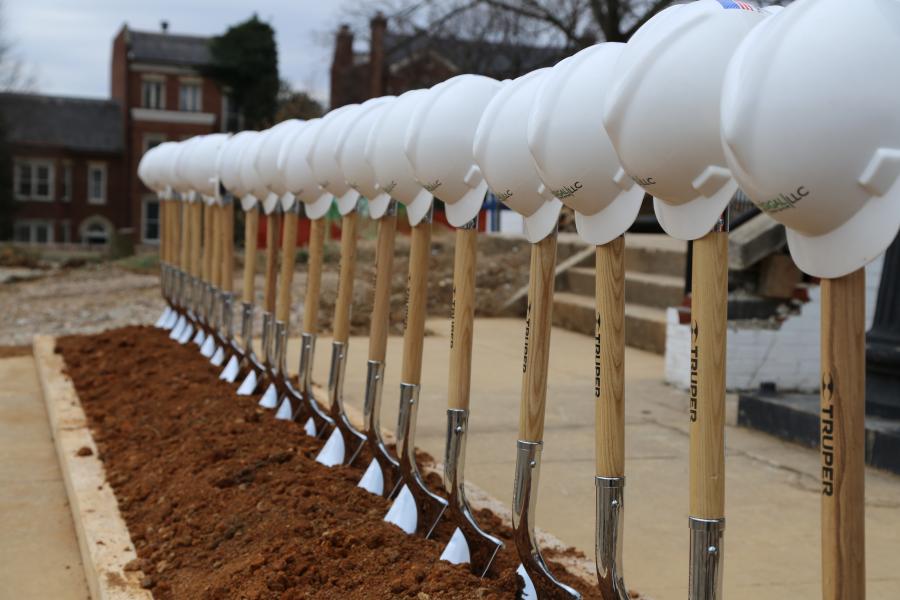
<point>67,43</point>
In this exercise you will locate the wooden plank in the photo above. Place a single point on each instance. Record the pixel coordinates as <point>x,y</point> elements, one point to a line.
<point>103,538</point>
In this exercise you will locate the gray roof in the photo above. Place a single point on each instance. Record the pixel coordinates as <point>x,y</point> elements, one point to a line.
<point>168,48</point>
<point>80,124</point>
<point>496,59</point>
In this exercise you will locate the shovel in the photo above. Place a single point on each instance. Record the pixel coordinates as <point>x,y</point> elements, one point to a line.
<point>226,285</point>
<point>709,322</point>
<point>416,509</point>
<point>168,317</point>
<point>283,310</point>
<point>345,441</point>
<point>469,543</point>
<point>214,247</point>
<point>308,411</point>
<point>382,477</point>
<point>183,328</point>
<point>269,398</point>
<point>243,360</point>
<point>534,570</point>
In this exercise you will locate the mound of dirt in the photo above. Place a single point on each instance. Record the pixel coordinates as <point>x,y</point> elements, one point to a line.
<point>223,501</point>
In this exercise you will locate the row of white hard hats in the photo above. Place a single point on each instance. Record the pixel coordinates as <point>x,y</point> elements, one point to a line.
<point>796,106</point>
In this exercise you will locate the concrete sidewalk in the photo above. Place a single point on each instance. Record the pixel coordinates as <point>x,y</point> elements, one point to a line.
<point>39,557</point>
<point>772,538</point>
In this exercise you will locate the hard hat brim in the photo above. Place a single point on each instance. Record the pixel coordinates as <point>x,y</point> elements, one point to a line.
<point>466,208</point>
<point>695,218</point>
<point>378,205</point>
<point>287,201</point>
<point>319,207</point>
<point>248,202</point>
<point>347,203</point>
<point>419,207</point>
<point>270,203</point>
<point>614,220</point>
<point>543,221</point>
<point>852,245</point>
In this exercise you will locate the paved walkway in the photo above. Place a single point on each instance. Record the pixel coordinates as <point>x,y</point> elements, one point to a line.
<point>772,540</point>
<point>39,556</point>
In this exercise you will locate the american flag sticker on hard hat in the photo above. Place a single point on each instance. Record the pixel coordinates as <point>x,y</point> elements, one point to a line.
<point>737,5</point>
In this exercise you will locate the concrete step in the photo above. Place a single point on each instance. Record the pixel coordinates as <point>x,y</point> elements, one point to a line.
<point>659,291</point>
<point>653,290</point>
<point>655,253</point>
<point>645,327</point>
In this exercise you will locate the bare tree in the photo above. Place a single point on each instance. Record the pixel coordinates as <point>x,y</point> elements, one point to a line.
<point>15,76</point>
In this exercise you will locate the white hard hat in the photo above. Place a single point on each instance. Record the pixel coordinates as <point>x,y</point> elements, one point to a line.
<point>181,182</point>
<point>230,164</point>
<point>351,154</point>
<point>200,163</point>
<point>439,140</point>
<point>323,158</point>
<point>501,152</point>
<point>267,159</point>
<point>299,177</point>
<point>662,110</point>
<point>251,177</point>
<point>384,151</point>
<point>586,175</point>
<point>148,170</point>
<point>811,128</point>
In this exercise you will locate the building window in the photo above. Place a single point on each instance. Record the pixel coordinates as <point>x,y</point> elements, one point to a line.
<point>153,92</point>
<point>231,117</point>
<point>33,232</point>
<point>33,180</point>
<point>66,195</point>
<point>153,139</point>
<point>150,220</point>
<point>95,231</point>
<point>97,183</point>
<point>190,96</point>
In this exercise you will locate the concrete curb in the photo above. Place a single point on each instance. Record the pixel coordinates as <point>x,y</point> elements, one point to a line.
<point>103,538</point>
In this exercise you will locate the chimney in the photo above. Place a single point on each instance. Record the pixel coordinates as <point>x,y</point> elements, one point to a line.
<point>341,67</point>
<point>164,25</point>
<point>376,55</point>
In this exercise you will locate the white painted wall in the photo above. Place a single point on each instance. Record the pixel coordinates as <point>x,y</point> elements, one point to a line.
<point>787,353</point>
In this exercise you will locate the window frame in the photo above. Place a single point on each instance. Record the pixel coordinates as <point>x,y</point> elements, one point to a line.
<point>33,165</point>
<point>104,182</point>
<point>148,199</point>
<point>161,95</point>
<point>32,225</point>
<point>192,83</point>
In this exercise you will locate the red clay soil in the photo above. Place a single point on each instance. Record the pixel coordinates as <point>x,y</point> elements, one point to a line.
<point>223,501</point>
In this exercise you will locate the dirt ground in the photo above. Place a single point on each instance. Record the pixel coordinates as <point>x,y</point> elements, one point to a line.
<point>100,296</point>
<point>224,501</point>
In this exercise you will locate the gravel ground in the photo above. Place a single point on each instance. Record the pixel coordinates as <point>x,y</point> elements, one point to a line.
<point>101,296</point>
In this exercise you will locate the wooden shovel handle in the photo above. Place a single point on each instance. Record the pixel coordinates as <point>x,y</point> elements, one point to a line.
<point>207,242</point>
<point>185,248</point>
<point>165,232</point>
<point>228,247</point>
<point>216,275</point>
<point>462,318</point>
<point>314,275</point>
<point>381,306</point>
<point>843,435</point>
<point>537,339</point>
<point>416,303</point>
<point>196,237</point>
<point>709,323</point>
<point>344,302</point>
<point>609,359</point>
<point>273,223</point>
<point>288,254</point>
<point>251,226</point>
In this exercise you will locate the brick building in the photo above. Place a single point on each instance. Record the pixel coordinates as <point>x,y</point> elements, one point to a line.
<point>75,160</point>
<point>396,63</point>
